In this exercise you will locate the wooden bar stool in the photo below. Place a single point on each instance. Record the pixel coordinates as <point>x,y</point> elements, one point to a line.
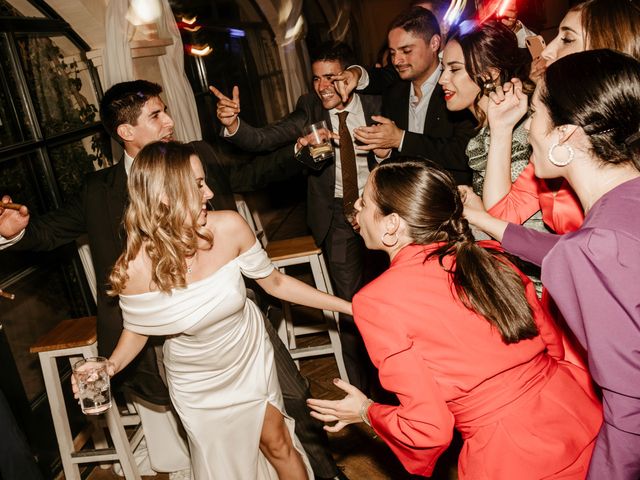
<point>77,338</point>
<point>298,251</point>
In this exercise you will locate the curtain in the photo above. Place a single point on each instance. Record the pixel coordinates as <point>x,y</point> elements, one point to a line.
<point>286,21</point>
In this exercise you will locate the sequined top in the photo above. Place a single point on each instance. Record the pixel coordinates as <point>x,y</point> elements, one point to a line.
<point>478,153</point>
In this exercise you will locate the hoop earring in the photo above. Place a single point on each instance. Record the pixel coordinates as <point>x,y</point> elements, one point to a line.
<point>555,161</point>
<point>389,244</point>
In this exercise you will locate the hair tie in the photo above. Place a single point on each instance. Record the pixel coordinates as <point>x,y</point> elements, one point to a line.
<point>632,139</point>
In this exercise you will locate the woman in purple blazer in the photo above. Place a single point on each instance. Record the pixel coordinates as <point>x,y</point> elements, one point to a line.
<point>588,132</point>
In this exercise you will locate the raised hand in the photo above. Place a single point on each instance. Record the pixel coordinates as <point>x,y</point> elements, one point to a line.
<point>346,82</point>
<point>343,412</point>
<point>507,105</point>
<point>384,135</point>
<point>13,219</point>
<point>228,108</point>
<point>470,200</point>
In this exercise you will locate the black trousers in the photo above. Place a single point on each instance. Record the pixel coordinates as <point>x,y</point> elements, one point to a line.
<point>347,259</point>
<point>16,460</point>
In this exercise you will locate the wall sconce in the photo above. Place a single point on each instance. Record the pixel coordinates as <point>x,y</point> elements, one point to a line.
<point>143,12</point>
<point>146,41</point>
<point>189,24</point>
<point>198,50</point>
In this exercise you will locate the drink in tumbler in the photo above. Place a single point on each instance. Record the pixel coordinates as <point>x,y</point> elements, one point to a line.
<point>319,137</point>
<point>321,151</point>
<point>93,385</point>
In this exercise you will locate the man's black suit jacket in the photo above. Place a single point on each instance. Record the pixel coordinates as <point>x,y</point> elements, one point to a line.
<point>99,213</point>
<point>446,134</point>
<point>321,184</point>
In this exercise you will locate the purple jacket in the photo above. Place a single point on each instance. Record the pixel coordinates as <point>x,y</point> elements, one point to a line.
<point>593,275</point>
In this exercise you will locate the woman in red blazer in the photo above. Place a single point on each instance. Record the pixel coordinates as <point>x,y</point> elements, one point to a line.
<point>458,335</point>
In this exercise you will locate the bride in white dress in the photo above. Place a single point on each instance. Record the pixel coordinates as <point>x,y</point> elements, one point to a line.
<point>181,277</point>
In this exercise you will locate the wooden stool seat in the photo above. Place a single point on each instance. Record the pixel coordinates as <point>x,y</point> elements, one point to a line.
<point>71,333</point>
<point>75,339</point>
<point>292,248</point>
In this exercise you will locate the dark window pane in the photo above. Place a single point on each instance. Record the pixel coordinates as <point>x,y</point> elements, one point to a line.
<point>71,162</point>
<point>43,299</point>
<point>23,178</point>
<point>60,83</point>
<point>15,126</point>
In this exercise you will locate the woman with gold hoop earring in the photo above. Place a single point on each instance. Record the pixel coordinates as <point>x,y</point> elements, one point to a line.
<point>589,25</point>
<point>588,134</point>
<point>458,335</point>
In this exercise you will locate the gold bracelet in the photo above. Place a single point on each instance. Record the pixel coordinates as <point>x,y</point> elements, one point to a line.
<point>364,409</point>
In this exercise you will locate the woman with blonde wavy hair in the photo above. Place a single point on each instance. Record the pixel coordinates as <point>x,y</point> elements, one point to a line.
<point>181,277</point>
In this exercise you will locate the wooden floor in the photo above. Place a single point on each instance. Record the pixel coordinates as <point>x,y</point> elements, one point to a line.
<point>356,448</point>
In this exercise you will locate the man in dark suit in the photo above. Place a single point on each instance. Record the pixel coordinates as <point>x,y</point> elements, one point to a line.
<point>330,197</point>
<point>415,120</point>
<point>134,114</point>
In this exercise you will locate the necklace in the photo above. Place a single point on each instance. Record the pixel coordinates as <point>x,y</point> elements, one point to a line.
<point>189,265</point>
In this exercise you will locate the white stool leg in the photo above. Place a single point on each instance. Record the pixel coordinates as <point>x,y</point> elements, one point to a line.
<point>287,321</point>
<point>59,413</point>
<point>322,281</point>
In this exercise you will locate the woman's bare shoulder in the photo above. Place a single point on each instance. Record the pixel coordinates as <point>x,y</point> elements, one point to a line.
<point>230,226</point>
<point>139,275</point>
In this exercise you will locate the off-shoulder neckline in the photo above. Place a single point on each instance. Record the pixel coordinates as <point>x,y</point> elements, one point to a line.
<point>196,282</point>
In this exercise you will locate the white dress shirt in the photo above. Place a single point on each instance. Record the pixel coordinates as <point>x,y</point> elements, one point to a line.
<point>417,109</point>
<point>418,106</point>
<point>128,161</point>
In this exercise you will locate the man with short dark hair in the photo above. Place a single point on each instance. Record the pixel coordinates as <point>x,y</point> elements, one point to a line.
<point>415,120</point>
<point>333,185</point>
<point>135,115</point>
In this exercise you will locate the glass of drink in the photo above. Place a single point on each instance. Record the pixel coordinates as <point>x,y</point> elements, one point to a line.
<point>319,137</point>
<point>94,389</point>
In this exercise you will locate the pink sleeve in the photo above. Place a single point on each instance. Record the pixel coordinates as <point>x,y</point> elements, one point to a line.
<point>521,202</point>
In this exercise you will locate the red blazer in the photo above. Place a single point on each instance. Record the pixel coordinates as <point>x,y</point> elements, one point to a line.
<point>523,411</point>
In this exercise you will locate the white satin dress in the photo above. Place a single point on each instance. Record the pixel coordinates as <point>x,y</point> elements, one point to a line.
<point>220,366</point>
